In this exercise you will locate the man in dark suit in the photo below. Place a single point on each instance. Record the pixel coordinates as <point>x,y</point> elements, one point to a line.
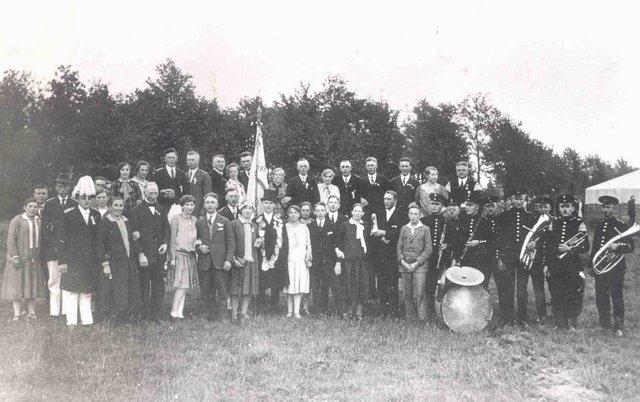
<point>197,182</point>
<point>385,232</point>
<point>350,186</point>
<point>151,230</point>
<point>218,181</point>
<point>323,277</point>
<point>461,187</point>
<point>51,216</point>
<point>404,185</point>
<point>215,252</point>
<point>230,211</point>
<point>333,211</point>
<point>169,180</point>
<point>245,167</point>
<point>302,187</point>
<point>374,187</point>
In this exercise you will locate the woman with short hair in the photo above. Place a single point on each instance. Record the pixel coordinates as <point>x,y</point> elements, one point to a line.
<point>326,189</point>
<point>126,189</point>
<point>247,265</point>
<point>142,173</point>
<point>430,186</point>
<point>298,261</point>
<point>233,171</point>
<point>278,184</point>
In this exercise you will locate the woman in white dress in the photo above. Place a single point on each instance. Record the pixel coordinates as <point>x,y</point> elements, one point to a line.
<point>299,261</point>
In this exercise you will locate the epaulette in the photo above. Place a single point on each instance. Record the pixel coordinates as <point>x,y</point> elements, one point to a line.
<point>51,199</point>
<point>158,169</point>
<point>68,210</point>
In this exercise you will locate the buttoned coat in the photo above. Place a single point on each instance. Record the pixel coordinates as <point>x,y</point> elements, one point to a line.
<point>414,247</point>
<point>219,239</point>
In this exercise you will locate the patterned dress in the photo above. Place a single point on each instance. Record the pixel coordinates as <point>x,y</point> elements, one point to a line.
<point>184,274</point>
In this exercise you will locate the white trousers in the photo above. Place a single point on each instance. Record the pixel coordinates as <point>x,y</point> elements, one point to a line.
<point>55,299</point>
<point>71,301</point>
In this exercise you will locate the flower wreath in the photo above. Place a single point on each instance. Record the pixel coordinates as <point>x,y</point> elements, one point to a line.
<point>269,263</point>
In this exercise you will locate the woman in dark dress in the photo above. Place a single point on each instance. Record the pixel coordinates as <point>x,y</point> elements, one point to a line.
<point>125,188</point>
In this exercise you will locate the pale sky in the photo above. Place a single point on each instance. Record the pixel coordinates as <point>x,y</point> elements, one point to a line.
<point>567,70</point>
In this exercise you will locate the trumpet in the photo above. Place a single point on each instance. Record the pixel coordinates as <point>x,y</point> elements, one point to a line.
<point>606,259</point>
<point>574,242</point>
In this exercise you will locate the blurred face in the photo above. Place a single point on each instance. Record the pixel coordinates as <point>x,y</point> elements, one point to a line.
<point>245,162</point>
<point>371,167</point>
<point>491,208</point>
<point>117,207</point>
<point>518,201</point>
<point>151,194</point>
<point>405,167</point>
<point>294,216</point>
<point>327,178</point>
<point>433,176</point>
<point>85,201</point>
<point>305,211</point>
<point>345,168</point>
<point>62,189</point>
<point>192,161</point>
<point>320,211</point>
<point>102,200</point>
<point>143,171</point>
<point>171,159</point>
<point>101,184</point>
<point>472,208</point>
<point>333,204</point>
<point>125,171</point>
<point>268,206</point>
<point>389,201</point>
<point>543,208</point>
<point>278,177</point>
<point>303,167</point>
<point>414,215</point>
<point>436,207</point>
<point>232,198</point>
<point>607,211</point>
<point>357,213</point>
<point>188,207</point>
<point>566,209</point>
<point>211,204</point>
<point>31,209</point>
<point>246,212</point>
<point>40,194</point>
<point>462,171</point>
<point>218,163</point>
<point>233,172</point>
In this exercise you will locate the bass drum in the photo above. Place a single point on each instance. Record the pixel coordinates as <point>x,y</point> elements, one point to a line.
<point>466,309</point>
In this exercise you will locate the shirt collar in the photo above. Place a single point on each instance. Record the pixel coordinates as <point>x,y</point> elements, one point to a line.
<point>303,178</point>
<point>416,226</point>
<point>346,179</point>
<point>390,210</point>
<point>84,211</point>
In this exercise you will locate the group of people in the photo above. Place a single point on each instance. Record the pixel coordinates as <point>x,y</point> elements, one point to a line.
<point>111,249</point>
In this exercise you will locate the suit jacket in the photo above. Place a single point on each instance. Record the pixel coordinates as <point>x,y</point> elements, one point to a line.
<point>392,228</point>
<point>154,230</point>
<point>198,187</point>
<point>414,247</point>
<point>51,216</point>
<point>406,193</point>
<point>77,249</point>
<point>322,244</point>
<point>219,238</point>
<point>226,212</point>
<point>243,177</point>
<point>299,191</point>
<point>350,193</point>
<point>218,184</point>
<point>374,193</point>
<point>164,181</point>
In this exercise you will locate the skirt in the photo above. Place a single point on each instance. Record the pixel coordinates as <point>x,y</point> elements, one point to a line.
<point>26,282</point>
<point>185,273</point>
<point>244,281</point>
<point>355,281</point>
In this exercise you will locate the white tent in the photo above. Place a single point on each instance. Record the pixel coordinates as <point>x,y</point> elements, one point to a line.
<point>621,187</point>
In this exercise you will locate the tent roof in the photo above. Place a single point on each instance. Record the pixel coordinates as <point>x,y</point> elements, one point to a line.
<point>627,181</point>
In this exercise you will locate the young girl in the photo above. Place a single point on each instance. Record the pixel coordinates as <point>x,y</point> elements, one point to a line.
<point>183,274</point>
<point>245,274</point>
<point>413,251</point>
<point>351,247</point>
<point>23,278</point>
<point>299,261</point>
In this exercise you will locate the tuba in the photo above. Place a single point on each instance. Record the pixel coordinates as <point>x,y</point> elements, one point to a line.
<point>528,256</point>
<point>606,259</point>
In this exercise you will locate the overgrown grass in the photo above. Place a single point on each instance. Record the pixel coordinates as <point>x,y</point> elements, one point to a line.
<point>275,358</point>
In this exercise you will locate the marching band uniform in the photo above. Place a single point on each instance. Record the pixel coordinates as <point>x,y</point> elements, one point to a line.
<point>539,261</point>
<point>472,227</point>
<point>461,188</point>
<point>511,234</point>
<point>609,284</point>
<point>565,276</point>
<point>493,253</point>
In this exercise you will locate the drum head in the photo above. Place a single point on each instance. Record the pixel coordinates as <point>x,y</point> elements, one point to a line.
<point>466,308</point>
<point>465,276</point>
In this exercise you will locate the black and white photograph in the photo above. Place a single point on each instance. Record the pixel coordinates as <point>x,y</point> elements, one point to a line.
<point>206,200</point>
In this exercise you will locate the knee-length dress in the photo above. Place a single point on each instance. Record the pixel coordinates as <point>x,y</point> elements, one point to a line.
<point>245,280</point>
<point>26,281</point>
<point>352,241</point>
<point>299,250</point>
<point>184,274</point>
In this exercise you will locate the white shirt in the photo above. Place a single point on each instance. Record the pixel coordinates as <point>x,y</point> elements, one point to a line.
<point>62,200</point>
<point>372,178</point>
<point>171,170</point>
<point>234,210</point>
<point>320,222</point>
<point>390,212</point>
<point>267,216</point>
<point>192,173</point>
<point>346,179</point>
<point>405,179</point>
<point>333,216</point>
<point>462,182</point>
<point>85,214</point>
<point>211,217</point>
<point>303,178</point>
<point>413,228</point>
<point>152,208</point>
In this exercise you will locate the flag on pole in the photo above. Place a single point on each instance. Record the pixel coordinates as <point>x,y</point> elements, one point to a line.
<point>258,180</point>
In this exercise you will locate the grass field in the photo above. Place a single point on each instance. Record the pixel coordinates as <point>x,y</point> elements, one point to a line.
<point>275,358</point>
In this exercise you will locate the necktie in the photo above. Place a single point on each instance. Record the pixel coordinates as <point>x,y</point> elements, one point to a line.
<point>172,173</point>
<point>210,220</point>
<point>333,218</point>
<point>404,181</point>
<point>64,203</point>
<point>193,173</point>
<point>320,223</point>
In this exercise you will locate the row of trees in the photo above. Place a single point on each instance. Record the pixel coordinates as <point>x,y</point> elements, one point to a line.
<point>66,125</point>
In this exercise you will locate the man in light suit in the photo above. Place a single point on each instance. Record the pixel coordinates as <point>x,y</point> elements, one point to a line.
<point>302,187</point>
<point>197,182</point>
<point>215,252</point>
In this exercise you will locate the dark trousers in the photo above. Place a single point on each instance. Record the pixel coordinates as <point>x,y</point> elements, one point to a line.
<point>488,268</point>
<point>431,284</point>
<point>609,286</point>
<point>510,278</point>
<point>215,285</point>
<point>566,299</point>
<point>537,280</point>
<point>268,280</point>
<point>152,287</point>
<point>323,280</point>
<point>388,284</point>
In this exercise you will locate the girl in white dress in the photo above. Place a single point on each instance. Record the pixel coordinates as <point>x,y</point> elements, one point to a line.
<point>299,261</point>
